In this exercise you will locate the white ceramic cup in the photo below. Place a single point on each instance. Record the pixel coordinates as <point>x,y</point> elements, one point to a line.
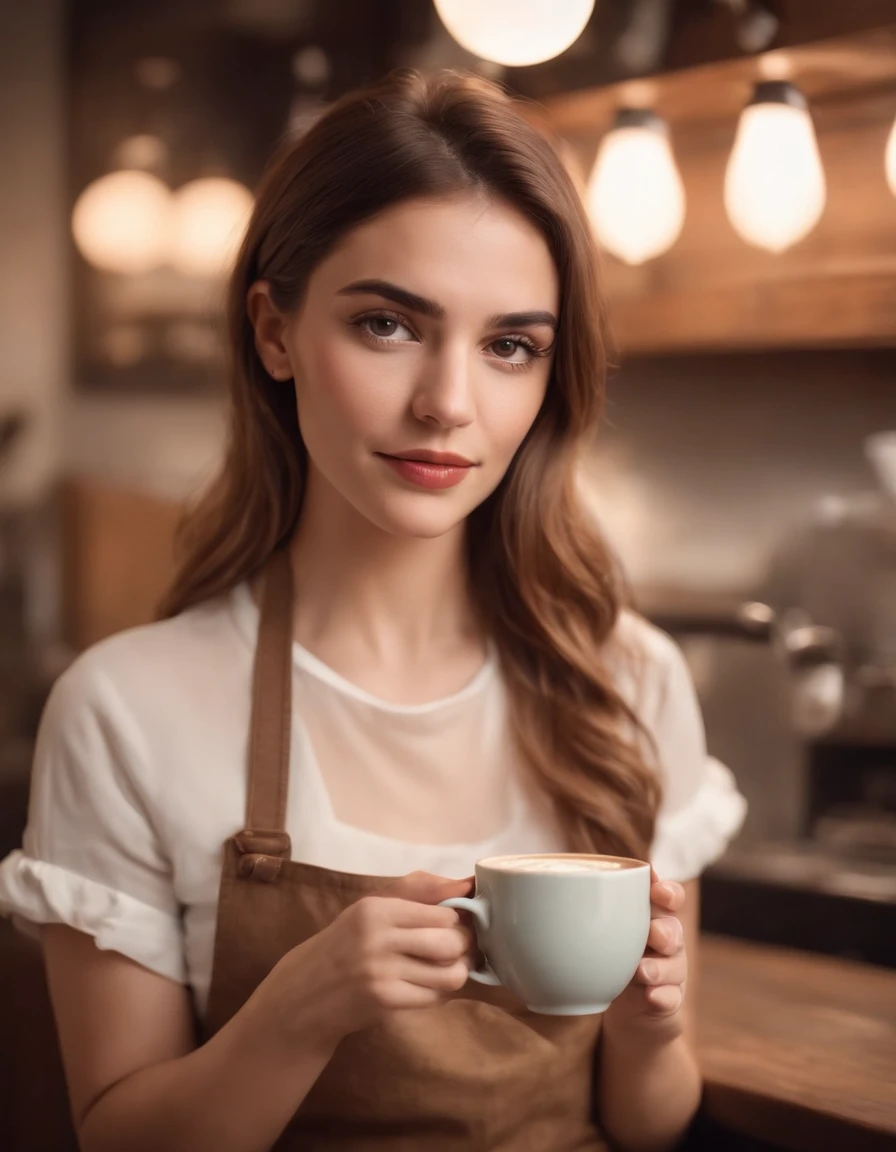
<point>563,932</point>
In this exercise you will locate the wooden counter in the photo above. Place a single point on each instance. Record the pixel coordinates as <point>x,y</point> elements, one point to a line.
<point>796,1048</point>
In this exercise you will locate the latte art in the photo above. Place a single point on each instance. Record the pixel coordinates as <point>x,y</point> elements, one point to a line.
<point>554,864</point>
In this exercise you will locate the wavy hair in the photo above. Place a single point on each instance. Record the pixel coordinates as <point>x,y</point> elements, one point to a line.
<point>546,587</point>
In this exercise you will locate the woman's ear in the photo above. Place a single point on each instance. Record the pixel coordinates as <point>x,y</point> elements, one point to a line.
<point>270,327</point>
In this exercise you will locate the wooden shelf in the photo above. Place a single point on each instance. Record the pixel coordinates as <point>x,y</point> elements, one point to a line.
<point>712,291</point>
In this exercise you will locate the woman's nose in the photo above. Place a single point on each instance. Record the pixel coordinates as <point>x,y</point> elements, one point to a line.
<point>444,392</point>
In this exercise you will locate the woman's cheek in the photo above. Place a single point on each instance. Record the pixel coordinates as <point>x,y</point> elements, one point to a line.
<point>507,416</point>
<point>348,389</point>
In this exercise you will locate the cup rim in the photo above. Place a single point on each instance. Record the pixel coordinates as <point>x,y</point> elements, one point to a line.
<point>629,863</point>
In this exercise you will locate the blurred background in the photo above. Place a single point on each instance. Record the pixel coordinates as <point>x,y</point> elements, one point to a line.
<point>739,163</point>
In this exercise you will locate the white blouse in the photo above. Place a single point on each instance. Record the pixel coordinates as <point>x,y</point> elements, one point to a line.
<point>140,776</point>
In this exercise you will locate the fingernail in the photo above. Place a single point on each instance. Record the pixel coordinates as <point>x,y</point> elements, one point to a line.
<point>649,971</point>
<point>667,890</point>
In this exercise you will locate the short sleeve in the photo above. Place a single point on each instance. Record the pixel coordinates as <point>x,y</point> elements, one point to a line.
<point>90,856</point>
<point>702,809</point>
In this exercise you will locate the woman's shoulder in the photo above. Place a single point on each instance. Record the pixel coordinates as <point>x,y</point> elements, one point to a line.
<point>640,649</point>
<point>163,658</point>
<point>649,670</point>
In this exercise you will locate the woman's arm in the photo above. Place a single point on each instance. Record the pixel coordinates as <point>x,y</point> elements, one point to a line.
<point>135,1079</point>
<point>648,1083</point>
<point>137,1082</point>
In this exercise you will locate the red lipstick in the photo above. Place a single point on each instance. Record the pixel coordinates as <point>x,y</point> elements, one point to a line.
<point>428,469</point>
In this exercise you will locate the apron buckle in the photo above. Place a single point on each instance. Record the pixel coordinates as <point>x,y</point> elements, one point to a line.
<point>261,854</point>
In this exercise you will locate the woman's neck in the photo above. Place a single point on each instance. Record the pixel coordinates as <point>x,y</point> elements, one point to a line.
<point>382,609</point>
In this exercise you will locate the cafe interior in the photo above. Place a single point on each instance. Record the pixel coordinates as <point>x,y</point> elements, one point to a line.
<point>738,164</point>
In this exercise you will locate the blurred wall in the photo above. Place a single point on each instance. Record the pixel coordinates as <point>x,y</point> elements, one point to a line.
<point>705,462</point>
<point>704,465</point>
<point>166,446</point>
<point>33,239</point>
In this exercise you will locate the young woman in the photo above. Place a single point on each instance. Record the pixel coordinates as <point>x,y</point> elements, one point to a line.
<point>396,645</point>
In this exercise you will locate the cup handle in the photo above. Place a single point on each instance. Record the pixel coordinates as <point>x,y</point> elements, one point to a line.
<point>478,906</point>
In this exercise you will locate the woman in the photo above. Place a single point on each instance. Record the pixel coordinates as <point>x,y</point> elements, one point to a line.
<point>418,362</point>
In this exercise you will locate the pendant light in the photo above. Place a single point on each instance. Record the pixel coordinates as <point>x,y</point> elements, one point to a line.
<point>774,183</point>
<point>208,220</point>
<point>120,222</point>
<point>890,160</point>
<point>515,32</point>
<point>635,194</point>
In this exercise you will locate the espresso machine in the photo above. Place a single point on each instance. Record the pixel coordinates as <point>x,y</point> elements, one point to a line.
<point>810,669</point>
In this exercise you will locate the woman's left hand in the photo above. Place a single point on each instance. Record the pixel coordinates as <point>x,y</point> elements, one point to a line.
<point>656,991</point>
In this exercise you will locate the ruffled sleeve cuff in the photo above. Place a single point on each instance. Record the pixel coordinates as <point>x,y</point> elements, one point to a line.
<point>691,838</point>
<point>37,892</point>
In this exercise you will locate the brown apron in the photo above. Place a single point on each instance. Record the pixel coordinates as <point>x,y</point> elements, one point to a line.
<point>478,1072</point>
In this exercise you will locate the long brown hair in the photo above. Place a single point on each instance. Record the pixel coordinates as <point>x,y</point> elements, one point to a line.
<point>544,582</point>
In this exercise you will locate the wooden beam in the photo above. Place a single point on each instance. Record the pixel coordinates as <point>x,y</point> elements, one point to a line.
<point>706,32</point>
<point>701,33</point>
<point>716,93</point>
<point>837,287</point>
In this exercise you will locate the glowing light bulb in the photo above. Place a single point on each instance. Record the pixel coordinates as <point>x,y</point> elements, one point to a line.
<point>774,183</point>
<point>515,32</point>
<point>208,221</point>
<point>121,222</point>
<point>890,159</point>
<point>635,195</point>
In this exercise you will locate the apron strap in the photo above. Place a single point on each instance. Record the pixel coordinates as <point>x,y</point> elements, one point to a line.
<point>271,710</point>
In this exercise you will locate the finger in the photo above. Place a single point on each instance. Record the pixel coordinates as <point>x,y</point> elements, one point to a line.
<point>441,945</point>
<point>424,888</point>
<point>664,1000</point>
<point>666,935</point>
<point>654,970</point>
<point>666,896</point>
<point>398,913</point>
<point>437,977</point>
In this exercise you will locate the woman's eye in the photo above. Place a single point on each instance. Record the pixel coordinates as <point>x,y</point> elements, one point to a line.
<point>511,349</point>
<point>386,328</point>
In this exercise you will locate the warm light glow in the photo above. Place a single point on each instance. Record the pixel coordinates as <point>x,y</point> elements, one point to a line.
<point>774,184</point>
<point>890,159</point>
<point>515,32</point>
<point>208,223</point>
<point>120,222</point>
<point>635,195</point>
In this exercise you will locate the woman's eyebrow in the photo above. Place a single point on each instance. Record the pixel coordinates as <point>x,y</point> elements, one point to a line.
<point>425,307</point>
<point>397,295</point>
<point>523,320</point>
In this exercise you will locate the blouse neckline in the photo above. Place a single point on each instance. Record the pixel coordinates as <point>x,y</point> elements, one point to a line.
<point>247,616</point>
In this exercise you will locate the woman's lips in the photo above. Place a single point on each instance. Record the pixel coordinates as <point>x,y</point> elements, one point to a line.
<point>427,473</point>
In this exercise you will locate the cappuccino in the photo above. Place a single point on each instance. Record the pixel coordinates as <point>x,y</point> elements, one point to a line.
<point>559,863</point>
<point>564,932</point>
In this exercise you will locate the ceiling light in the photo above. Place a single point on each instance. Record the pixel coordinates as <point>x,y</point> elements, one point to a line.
<point>635,194</point>
<point>120,222</point>
<point>774,183</point>
<point>209,218</point>
<point>515,32</point>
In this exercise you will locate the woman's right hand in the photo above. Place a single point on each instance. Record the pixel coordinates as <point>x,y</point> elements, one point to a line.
<point>392,950</point>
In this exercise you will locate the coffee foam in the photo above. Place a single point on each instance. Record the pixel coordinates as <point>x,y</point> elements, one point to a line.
<point>559,863</point>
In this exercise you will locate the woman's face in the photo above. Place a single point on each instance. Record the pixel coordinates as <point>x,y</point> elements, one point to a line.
<point>421,356</point>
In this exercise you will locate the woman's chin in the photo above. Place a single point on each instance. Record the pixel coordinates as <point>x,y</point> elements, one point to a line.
<point>425,519</point>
